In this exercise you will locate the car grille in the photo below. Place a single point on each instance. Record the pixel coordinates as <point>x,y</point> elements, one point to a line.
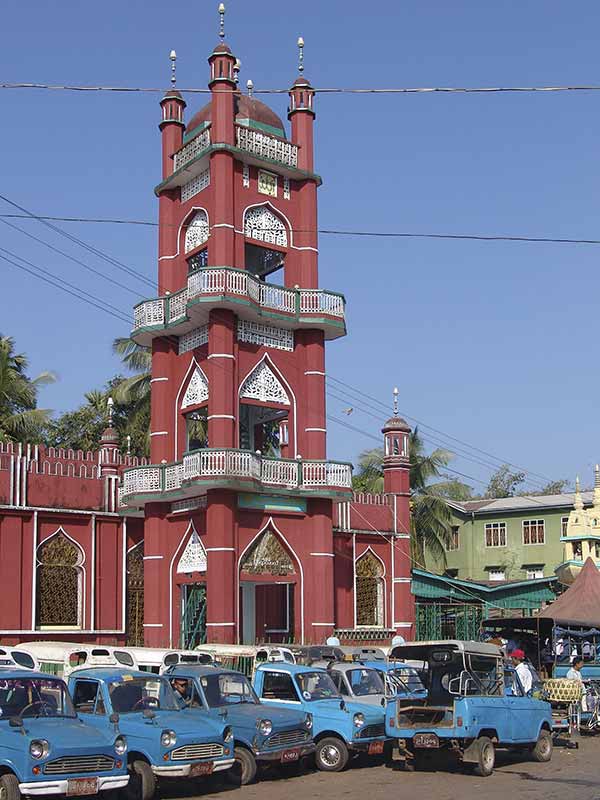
<point>287,738</point>
<point>79,764</point>
<point>190,751</point>
<point>372,730</point>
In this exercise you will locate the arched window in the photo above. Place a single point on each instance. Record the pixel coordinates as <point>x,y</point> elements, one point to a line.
<point>267,556</point>
<point>135,595</point>
<point>262,224</point>
<point>197,231</point>
<point>369,590</point>
<point>59,578</point>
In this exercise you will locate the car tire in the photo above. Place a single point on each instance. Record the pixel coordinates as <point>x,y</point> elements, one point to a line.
<point>542,750</point>
<point>331,754</point>
<point>9,787</point>
<point>142,782</point>
<point>244,769</point>
<point>486,757</point>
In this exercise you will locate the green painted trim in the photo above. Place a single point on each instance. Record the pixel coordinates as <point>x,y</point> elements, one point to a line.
<point>474,586</point>
<point>189,135</point>
<point>262,126</point>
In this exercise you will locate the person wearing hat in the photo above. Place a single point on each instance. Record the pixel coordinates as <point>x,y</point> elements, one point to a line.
<point>518,659</point>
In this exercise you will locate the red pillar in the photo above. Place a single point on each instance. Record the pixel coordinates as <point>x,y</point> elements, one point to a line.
<point>319,601</point>
<point>161,423</point>
<point>156,576</point>
<point>315,433</point>
<point>221,582</point>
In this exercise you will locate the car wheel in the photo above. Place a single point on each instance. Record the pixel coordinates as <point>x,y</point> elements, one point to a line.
<point>542,751</point>
<point>142,783</point>
<point>243,771</point>
<point>486,757</point>
<point>331,754</point>
<point>9,787</point>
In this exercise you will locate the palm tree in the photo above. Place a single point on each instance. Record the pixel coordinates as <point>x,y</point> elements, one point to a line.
<point>431,517</point>
<point>134,391</point>
<point>19,417</point>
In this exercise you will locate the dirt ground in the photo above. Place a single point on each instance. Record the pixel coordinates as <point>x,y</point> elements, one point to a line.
<point>570,774</point>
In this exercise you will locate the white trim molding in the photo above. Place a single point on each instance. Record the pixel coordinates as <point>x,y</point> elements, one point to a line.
<point>221,355</point>
<point>328,555</point>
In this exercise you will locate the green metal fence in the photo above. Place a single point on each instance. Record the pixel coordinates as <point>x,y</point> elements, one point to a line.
<point>436,621</point>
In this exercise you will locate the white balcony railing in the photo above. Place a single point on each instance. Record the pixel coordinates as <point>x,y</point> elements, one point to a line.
<point>265,146</point>
<point>192,149</point>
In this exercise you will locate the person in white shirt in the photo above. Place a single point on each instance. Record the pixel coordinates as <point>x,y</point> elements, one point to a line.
<point>518,659</point>
<point>574,673</point>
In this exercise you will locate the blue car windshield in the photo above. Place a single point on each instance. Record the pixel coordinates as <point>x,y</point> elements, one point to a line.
<point>405,681</point>
<point>129,695</point>
<point>316,686</point>
<point>226,689</point>
<point>364,682</point>
<point>34,697</point>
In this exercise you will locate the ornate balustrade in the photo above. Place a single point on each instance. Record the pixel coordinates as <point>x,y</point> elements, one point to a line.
<point>265,146</point>
<point>239,469</point>
<point>192,149</point>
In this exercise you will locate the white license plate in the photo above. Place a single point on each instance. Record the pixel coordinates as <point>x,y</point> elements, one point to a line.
<point>206,768</point>
<point>82,786</point>
<point>290,755</point>
<point>426,740</point>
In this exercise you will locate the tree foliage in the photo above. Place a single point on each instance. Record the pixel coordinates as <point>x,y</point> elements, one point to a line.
<point>504,483</point>
<point>20,419</point>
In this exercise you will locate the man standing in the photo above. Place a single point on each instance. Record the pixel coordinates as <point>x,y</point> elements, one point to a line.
<point>518,659</point>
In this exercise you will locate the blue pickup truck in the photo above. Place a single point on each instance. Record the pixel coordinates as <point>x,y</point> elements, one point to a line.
<point>472,706</point>
<point>263,735</point>
<point>45,749</point>
<point>340,727</point>
<point>164,741</point>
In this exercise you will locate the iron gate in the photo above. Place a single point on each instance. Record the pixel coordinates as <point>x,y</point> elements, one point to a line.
<point>193,615</point>
<point>438,621</point>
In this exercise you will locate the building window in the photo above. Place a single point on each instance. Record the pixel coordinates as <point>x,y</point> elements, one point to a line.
<point>564,521</point>
<point>534,572</point>
<point>135,595</point>
<point>533,531</point>
<point>59,583</point>
<point>267,183</point>
<point>197,231</point>
<point>196,427</point>
<point>198,260</point>
<point>495,534</point>
<point>369,591</point>
<point>454,541</point>
<point>396,445</point>
<point>496,575</point>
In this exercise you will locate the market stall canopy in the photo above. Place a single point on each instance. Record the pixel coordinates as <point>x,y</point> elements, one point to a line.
<point>580,604</point>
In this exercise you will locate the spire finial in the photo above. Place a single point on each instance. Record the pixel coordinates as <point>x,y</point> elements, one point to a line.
<point>597,477</point>
<point>236,70</point>
<point>173,57</point>
<point>300,55</point>
<point>128,445</point>
<point>109,404</point>
<point>222,21</point>
<point>395,401</point>
<point>250,87</point>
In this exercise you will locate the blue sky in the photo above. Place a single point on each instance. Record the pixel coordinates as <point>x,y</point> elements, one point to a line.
<point>493,343</point>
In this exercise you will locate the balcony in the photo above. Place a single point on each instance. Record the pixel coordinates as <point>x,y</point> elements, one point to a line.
<point>240,470</point>
<point>250,298</point>
<point>266,147</point>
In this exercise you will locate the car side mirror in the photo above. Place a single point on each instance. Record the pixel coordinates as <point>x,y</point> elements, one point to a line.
<point>114,718</point>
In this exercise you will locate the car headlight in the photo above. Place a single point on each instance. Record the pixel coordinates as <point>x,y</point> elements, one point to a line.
<point>168,738</point>
<point>39,748</point>
<point>120,745</point>
<point>359,720</point>
<point>228,733</point>
<point>265,726</point>
<point>308,722</point>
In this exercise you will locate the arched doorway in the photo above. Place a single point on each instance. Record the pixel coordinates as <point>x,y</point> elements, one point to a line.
<point>135,595</point>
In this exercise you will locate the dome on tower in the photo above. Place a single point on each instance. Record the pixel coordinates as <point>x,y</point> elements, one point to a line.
<point>396,423</point>
<point>248,110</point>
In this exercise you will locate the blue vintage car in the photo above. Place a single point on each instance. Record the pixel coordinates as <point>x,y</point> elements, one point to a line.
<point>340,728</point>
<point>470,708</point>
<point>164,741</point>
<point>262,734</point>
<point>399,678</point>
<point>45,749</point>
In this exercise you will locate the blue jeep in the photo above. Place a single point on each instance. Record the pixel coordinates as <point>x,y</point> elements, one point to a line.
<point>468,709</point>
<point>399,678</point>
<point>339,727</point>
<point>45,749</point>
<point>263,735</point>
<point>164,741</point>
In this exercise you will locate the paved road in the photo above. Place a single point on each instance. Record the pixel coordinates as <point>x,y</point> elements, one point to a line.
<point>570,774</point>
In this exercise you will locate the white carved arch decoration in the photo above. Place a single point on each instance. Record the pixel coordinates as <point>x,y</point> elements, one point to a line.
<point>197,231</point>
<point>262,224</point>
<point>262,384</point>
<point>193,558</point>
<point>197,389</point>
<point>369,590</point>
<point>60,581</point>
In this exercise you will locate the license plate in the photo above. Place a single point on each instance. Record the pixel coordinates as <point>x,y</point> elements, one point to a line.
<point>206,768</point>
<point>426,740</point>
<point>82,786</point>
<point>290,755</point>
<point>375,748</point>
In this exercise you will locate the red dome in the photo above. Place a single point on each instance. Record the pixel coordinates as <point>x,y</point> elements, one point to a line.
<point>245,108</point>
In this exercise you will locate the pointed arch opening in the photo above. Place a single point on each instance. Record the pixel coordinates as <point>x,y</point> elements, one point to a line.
<point>265,404</point>
<point>60,582</point>
<point>191,410</point>
<point>135,595</point>
<point>197,232</point>
<point>369,590</point>
<point>262,225</point>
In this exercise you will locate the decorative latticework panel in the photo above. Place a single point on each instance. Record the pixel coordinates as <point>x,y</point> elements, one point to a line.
<point>196,338</point>
<point>197,389</point>
<point>369,591</point>
<point>267,335</point>
<point>197,184</point>
<point>59,582</point>
<point>193,558</point>
<point>262,384</point>
<point>265,146</point>
<point>286,189</point>
<point>246,176</point>
<point>197,231</point>
<point>192,149</point>
<point>135,596</point>
<point>267,556</point>
<point>260,223</point>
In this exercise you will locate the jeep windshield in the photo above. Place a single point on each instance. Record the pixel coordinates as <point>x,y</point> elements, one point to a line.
<point>405,680</point>
<point>129,695</point>
<point>34,697</point>
<point>364,682</point>
<point>227,689</point>
<point>317,686</point>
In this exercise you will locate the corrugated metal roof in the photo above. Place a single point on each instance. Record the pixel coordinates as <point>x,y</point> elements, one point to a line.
<point>525,503</point>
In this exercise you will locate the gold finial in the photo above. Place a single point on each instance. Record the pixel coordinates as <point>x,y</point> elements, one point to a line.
<point>110,403</point>
<point>395,401</point>
<point>250,87</point>
<point>300,55</point>
<point>173,57</point>
<point>222,21</point>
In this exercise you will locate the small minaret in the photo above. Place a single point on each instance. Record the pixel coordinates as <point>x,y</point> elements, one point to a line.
<point>396,459</point>
<point>171,124</point>
<point>109,444</point>
<point>301,113</point>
